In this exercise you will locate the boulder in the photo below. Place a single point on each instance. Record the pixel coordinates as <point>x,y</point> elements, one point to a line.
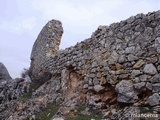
<point>126,93</point>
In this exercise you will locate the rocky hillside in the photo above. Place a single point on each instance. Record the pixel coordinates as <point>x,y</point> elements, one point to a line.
<point>11,90</point>
<point>112,75</point>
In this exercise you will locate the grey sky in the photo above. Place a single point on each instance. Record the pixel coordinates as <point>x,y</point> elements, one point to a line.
<point>22,20</point>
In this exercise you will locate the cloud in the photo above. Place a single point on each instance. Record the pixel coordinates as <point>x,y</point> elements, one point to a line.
<point>90,12</point>
<point>85,16</point>
<point>79,18</point>
<point>17,26</point>
<point>27,24</point>
<point>73,12</point>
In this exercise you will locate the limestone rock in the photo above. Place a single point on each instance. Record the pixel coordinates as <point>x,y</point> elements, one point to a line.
<point>150,69</point>
<point>46,46</point>
<point>95,81</point>
<point>157,41</point>
<point>149,86</point>
<point>98,88</point>
<point>4,75</point>
<point>135,73</point>
<point>85,86</point>
<point>156,109</point>
<point>138,64</point>
<point>155,78</point>
<point>140,86</point>
<point>143,77</point>
<point>126,93</point>
<point>113,58</point>
<point>13,89</point>
<point>122,59</point>
<point>103,81</point>
<point>157,14</point>
<point>156,87</point>
<point>131,57</point>
<point>130,49</point>
<point>154,99</point>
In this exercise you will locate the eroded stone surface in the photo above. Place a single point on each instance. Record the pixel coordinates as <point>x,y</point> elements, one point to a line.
<point>46,46</point>
<point>150,69</point>
<point>126,93</point>
<point>154,99</point>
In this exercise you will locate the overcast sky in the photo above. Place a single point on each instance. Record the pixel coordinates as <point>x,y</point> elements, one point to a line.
<point>22,20</point>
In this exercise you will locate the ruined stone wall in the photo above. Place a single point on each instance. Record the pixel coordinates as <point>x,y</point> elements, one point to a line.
<point>46,45</point>
<point>124,55</point>
<point>111,48</point>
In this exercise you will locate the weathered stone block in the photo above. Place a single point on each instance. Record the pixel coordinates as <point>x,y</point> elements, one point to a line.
<point>126,93</point>
<point>154,99</point>
<point>150,69</point>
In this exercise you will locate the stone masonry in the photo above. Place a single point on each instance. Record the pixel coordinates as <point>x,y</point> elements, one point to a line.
<point>46,45</point>
<point>119,63</point>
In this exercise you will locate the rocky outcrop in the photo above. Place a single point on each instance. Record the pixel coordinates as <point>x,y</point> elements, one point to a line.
<point>11,89</point>
<point>4,75</point>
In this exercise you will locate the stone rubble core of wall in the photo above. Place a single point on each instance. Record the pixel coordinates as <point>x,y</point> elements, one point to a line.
<point>119,65</point>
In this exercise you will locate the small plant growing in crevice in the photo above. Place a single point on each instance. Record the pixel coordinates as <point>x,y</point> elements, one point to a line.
<point>48,112</point>
<point>146,110</point>
<point>78,115</point>
<point>26,97</point>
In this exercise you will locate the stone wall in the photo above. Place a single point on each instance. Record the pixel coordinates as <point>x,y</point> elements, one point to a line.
<point>118,63</point>
<point>123,50</point>
<point>46,45</point>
